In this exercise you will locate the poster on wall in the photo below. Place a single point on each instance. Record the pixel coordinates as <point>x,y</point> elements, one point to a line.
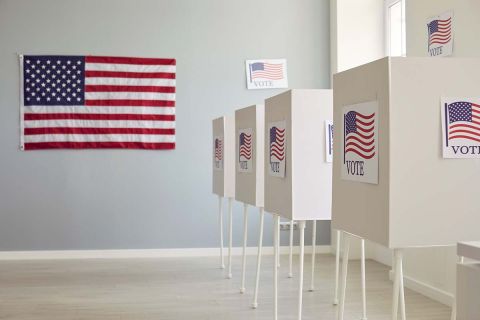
<point>360,143</point>
<point>277,147</point>
<point>218,153</point>
<point>245,150</point>
<point>328,140</point>
<point>460,127</point>
<point>266,73</point>
<point>440,35</point>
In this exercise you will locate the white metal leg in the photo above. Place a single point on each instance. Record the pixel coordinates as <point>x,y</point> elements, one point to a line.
<point>220,222</point>
<point>337,267</point>
<point>364,294</point>
<point>244,257</point>
<point>259,259</point>
<point>300,271</point>
<point>278,244</point>
<point>230,231</point>
<point>343,289</point>
<point>290,254</point>
<point>314,246</point>
<point>397,281</point>
<point>275,268</point>
<point>454,305</point>
<point>402,289</point>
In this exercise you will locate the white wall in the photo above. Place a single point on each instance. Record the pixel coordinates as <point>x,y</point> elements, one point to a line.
<point>466,25</point>
<point>357,35</point>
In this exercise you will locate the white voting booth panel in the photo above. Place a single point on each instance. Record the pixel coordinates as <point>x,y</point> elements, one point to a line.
<point>249,156</point>
<point>304,193</point>
<point>224,175</point>
<point>468,291</point>
<point>421,199</point>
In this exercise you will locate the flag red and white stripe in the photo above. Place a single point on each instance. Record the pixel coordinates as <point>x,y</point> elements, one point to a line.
<point>128,103</point>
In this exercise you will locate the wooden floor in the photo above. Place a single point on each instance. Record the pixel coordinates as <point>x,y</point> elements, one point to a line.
<point>187,288</point>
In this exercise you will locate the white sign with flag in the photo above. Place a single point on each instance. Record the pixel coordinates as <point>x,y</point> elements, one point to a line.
<point>218,153</point>
<point>440,35</point>
<point>360,142</point>
<point>245,150</point>
<point>461,127</point>
<point>277,147</point>
<point>266,73</point>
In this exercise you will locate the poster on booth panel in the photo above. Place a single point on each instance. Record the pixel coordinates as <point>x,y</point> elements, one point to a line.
<point>277,147</point>
<point>460,127</point>
<point>440,35</point>
<point>218,153</point>
<point>360,142</point>
<point>328,140</point>
<point>266,73</point>
<point>245,150</point>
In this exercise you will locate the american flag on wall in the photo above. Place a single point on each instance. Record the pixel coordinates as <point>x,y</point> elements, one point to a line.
<point>439,31</point>
<point>79,102</point>
<point>359,134</point>
<point>463,121</point>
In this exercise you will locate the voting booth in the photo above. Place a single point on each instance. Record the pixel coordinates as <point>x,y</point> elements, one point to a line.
<point>298,171</point>
<point>298,178</point>
<point>223,156</point>
<point>249,175</point>
<point>413,196</point>
<point>249,157</point>
<point>400,123</point>
<point>223,175</point>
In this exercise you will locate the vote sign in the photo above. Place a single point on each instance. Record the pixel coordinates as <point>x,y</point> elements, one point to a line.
<point>218,148</point>
<point>461,127</point>
<point>360,142</point>
<point>245,150</point>
<point>277,137</point>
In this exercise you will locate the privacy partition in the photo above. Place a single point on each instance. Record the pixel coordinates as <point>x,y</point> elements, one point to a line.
<point>393,182</point>
<point>298,177</point>
<point>223,175</point>
<point>249,174</point>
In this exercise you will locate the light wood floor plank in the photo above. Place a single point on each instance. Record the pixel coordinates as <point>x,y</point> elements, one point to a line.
<point>187,288</point>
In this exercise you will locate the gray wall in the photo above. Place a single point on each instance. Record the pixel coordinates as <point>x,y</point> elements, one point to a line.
<point>114,199</point>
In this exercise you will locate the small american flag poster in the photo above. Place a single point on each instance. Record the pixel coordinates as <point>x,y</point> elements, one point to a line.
<point>360,142</point>
<point>218,153</point>
<point>328,140</point>
<point>440,35</point>
<point>245,150</point>
<point>277,138</point>
<point>266,73</point>
<point>80,102</point>
<point>461,127</point>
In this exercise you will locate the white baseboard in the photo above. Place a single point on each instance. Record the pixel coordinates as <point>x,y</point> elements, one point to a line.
<point>144,253</point>
<point>427,290</point>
